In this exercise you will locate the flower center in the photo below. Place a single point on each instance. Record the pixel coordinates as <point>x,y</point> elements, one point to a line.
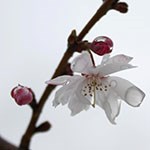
<point>93,85</point>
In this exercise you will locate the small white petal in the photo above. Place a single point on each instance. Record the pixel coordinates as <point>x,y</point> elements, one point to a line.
<point>59,80</point>
<point>105,59</point>
<point>64,93</point>
<point>76,105</point>
<point>123,59</point>
<point>79,94</point>
<point>61,96</point>
<point>108,112</point>
<point>77,101</point>
<point>112,68</point>
<point>134,96</point>
<point>55,102</point>
<point>114,103</point>
<point>109,103</point>
<point>127,91</point>
<point>82,63</point>
<point>100,98</point>
<point>113,64</point>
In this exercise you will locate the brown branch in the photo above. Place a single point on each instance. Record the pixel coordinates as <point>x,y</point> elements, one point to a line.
<point>36,113</point>
<point>25,142</point>
<point>107,5</point>
<point>5,145</point>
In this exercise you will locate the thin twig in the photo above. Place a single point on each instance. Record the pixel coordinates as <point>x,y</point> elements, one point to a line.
<point>97,16</point>
<point>25,142</point>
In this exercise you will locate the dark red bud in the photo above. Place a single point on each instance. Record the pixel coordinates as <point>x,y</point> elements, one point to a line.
<point>102,45</point>
<point>22,95</point>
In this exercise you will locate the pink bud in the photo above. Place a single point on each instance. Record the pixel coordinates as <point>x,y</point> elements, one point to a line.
<point>22,95</point>
<point>101,45</point>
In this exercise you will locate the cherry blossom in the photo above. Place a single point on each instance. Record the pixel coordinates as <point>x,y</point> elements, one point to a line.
<point>93,86</point>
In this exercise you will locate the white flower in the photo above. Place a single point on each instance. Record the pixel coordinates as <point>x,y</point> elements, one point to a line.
<point>95,87</point>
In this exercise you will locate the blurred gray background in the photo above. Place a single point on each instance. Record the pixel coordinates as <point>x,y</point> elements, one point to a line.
<point>33,38</point>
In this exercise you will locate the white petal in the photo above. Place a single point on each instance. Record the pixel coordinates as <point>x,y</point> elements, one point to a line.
<point>79,94</point>
<point>109,103</point>
<point>100,98</point>
<point>59,80</point>
<point>115,104</point>
<point>108,112</point>
<point>105,59</point>
<point>112,68</point>
<point>127,91</point>
<point>63,94</point>
<point>77,101</point>
<point>55,102</point>
<point>134,96</point>
<point>82,62</point>
<point>76,105</point>
<point>113,64</point>
<point>123,59</point>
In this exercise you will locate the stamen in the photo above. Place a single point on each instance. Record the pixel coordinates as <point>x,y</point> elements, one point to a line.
<point>94,101</point>
<point>101,89</point>
<point>93,105</point>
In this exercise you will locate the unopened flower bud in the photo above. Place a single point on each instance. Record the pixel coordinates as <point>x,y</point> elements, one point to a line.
<point>45,126</point>
<point>102,45</point>
<point>121,7</point>
<point>22,95</point>
<point>72,37</point>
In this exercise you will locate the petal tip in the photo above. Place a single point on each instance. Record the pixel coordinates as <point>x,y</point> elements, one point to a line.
<point>47,82</point>
<point>55,104</point>
<point>134,96</point>
<point>73,114</point>
<point>113,120</point>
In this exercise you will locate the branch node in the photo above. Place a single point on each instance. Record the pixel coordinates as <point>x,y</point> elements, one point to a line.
<point>45,126</point>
